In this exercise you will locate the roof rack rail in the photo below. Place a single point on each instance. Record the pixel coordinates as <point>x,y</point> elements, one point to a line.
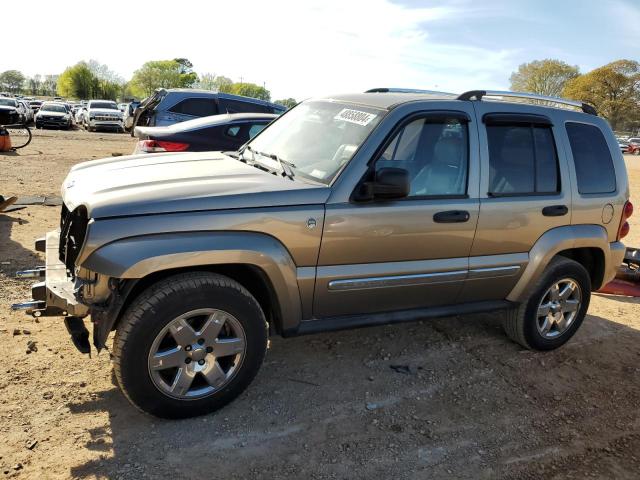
<point>554,101</point>
<point>406,90</point>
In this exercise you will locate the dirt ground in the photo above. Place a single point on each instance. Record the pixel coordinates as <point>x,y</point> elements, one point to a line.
<point>446,398</point>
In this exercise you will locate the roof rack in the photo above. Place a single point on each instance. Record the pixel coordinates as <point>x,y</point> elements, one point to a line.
<point>406,90</point>
<point>552,101</point>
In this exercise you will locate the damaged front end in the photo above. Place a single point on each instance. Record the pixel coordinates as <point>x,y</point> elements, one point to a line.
<point>68,291</point>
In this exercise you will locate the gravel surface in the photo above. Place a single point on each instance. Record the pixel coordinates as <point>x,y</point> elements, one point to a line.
<point>446,398</point>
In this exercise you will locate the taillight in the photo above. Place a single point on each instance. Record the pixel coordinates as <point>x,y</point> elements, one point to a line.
<point>153,146</point>
<point>624,228</point>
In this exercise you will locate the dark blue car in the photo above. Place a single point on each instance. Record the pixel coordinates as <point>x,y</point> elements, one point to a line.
<point>169,106</point>
<point>214,133</point>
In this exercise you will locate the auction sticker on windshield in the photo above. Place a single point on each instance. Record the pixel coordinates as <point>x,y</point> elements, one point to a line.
<point>355,116</point>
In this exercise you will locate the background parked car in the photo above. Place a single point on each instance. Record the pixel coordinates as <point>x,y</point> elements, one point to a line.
<point>217,132</point>
<point>166,107</point>
<point>128,115</point>
<point>9,113</point>
<point>624,146</point>
<point>102,114</point>
<point>53,114</point>
<point>35,105</point>
<point>28,113</point>
<point>633,148</point>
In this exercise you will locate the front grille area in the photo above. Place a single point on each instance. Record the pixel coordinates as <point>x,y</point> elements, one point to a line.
<point>106,118</point>
<point>73,228</point>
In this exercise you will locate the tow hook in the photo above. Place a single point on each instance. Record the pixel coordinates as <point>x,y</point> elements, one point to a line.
<point>79,333</point>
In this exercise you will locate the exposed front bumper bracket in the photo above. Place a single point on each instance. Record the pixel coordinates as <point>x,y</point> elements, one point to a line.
<point>54,296</point>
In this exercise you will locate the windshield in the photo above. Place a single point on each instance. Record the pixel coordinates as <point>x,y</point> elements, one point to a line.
<point>7,102</point>
<point>316,138</point>
<point>109,105</point>
<point>53,108</point>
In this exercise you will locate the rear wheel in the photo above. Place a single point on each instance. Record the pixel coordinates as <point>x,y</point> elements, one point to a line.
<point>555,308</point>
<point>189,345</point>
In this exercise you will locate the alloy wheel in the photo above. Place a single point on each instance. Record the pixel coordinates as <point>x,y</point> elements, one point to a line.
<point>558,308</point>
<point>197,353</point>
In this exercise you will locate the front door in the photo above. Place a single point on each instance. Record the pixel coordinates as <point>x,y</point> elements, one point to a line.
<point>409,253</point>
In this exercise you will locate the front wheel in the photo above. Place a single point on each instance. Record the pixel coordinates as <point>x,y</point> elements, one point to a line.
<point>555,308</point>
<point>189,345</point>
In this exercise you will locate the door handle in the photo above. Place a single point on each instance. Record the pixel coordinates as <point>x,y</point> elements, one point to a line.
<point>555,210</point>
<point>451,216</point>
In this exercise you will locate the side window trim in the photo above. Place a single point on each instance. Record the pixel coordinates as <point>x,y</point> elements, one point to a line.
<point>463,117</point>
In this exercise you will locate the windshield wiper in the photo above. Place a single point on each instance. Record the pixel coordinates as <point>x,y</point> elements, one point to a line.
<point>287,167</point>
<point>241,154</point>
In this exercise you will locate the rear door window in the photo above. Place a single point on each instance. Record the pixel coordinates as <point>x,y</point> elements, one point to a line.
<point>592,158</point>
<point>522,160</point>
<point>196,107</point>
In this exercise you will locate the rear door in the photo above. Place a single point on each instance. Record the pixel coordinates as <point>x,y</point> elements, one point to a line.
<point>524,192</point>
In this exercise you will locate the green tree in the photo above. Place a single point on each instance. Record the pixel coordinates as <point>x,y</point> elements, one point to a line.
<point>544,77</point>
<point>249,90</point>
<point>155,74</point>
<point>49,85</point>
<point>287,102</point>
<point>216,83</point>
<point>34,84</point>
<point>11,80</point>
<point>78,82</point>
<point>613,89</point>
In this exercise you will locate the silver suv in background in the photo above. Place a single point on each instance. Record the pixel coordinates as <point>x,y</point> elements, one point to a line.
<point>352,210</point>
<point>102,114</point>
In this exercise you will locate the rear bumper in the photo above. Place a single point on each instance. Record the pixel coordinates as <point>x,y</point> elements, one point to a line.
<point>54,296</point>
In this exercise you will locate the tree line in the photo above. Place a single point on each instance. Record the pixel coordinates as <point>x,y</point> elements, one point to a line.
<point>614,89</point>
<point>91,80</point>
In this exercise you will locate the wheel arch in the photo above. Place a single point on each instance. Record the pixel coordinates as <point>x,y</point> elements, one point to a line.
<point>257,261</point>
<point>586,244</point>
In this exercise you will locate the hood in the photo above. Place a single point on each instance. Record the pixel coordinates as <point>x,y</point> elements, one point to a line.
<point>102,111</point>
<point>7,108</point>
<point>47,113</point>
<point>179,182</point>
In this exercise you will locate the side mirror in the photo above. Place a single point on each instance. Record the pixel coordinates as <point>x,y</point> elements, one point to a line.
<point>389,184</point>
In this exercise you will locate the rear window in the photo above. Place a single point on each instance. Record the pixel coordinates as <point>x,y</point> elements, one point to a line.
<point>522,160</point>
<point>196,107</point>
<point>592,159</point>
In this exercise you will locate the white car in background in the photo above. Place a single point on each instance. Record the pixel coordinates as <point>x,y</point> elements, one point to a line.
<point>102,114</point>
<point>26,110</point>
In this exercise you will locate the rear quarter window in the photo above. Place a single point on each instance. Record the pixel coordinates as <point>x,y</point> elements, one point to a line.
<point>592,159</point>
<point>196,107</point>
<point>238,106</point>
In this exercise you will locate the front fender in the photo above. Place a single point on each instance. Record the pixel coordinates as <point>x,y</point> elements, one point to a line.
<point>137,257</point>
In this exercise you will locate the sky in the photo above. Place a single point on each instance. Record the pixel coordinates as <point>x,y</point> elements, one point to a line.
<point>303,48</point>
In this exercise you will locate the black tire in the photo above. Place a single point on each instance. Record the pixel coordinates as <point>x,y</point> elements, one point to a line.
<point>156,307</point>
<point>520,323</point>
